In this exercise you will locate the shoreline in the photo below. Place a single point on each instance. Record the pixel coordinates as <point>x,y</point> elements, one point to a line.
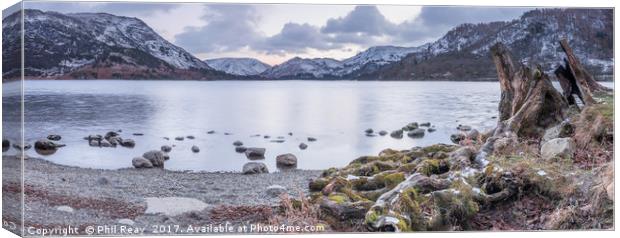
<point>77,196</point>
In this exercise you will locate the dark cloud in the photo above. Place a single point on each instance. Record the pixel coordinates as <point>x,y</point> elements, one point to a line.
<point>366,20</point>
<point>118,8</point>
<point>296,38</point>
<point>228,28</point>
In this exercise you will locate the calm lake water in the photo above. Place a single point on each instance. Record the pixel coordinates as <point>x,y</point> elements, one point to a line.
<point>336,113</point>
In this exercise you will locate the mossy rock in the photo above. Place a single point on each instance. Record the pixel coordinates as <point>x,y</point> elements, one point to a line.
<point>439,148</point>
<point>317,184</point>
<point>329,172</point>
<point>391,180</point>
<point>433,166</point>
<point>338,198</point>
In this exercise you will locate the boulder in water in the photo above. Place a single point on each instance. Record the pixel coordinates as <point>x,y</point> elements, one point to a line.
<point>254,168</point>
<point>141,162</point>
<point>286,160</point>
<point>54,137</point>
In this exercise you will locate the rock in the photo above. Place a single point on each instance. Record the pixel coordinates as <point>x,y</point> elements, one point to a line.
<point>457,138</point>
<point>416,133</point>
<point>20,147</point>
<point>473,134</point>
<point>303,146</point>
<point>166,138</point>
<point>311,139</point>
<point>140,162</point>
<point>369,131</point>
<point>195,149</point>
<point>110,134</point>
<point>237,143</point>
<point>227,133</point>
<point>277,141</point>
<point>93,137</point>
<point>103,181</point>
<point>166,156</point>
<point>115,140</point>
<point>191,137</point>
<point>559,147</point>
<point>126,221</point>
<point>411,126</point>
<point>371,135</point>
<point>255,153</point>
<point>179,138</point>
<point>266,136</point>
<point>128,143</point>
<point>240,149</point>
<point>46,145</point>
<point>210,132</point>
<point>564,129</point>
<point>463,127</point>
<point>255,168</point>
<point>65,209</point>
<point>166,148</point>
<point>54,137</point>
<point>138,134</point>
<point>173,206</point>
<point>275,190</point>
<point>94,143</point>
<point>398,134</point>
<point>6,145</point>
<point>156,157</point>
<point>287,160</point>
<point>105,143</point>
<point>255,135</point>
<point>425,124</point>
<point>280,137</point>
<point>431,129</point>
<point>383,133</point>
<point>290,133</point>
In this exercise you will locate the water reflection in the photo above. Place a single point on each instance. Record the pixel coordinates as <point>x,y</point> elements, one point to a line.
<point>336,113</point>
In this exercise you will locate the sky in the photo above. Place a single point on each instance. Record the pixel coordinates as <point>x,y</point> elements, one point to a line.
<point>274,33</point>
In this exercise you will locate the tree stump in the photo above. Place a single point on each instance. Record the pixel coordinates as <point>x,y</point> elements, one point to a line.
<point>529,103</point>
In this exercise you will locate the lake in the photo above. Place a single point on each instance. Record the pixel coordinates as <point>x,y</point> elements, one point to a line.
<point>334,112</point>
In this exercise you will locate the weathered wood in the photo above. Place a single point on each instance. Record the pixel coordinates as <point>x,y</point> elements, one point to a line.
<point>584,80</point>
<point>529,103</point>
<point>568,84</point>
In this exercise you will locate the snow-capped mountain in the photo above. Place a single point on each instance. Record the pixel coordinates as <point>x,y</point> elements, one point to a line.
<point>367,60</point>
<point>95,45</point>
<point>300,68</point>
<point>463,52</point>
<point>238,66</point>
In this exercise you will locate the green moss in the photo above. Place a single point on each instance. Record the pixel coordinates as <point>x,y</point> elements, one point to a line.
<point>317,184</point>
<point>338,198</point>
<point>439,148</point>
<point>371,217</point>
<point>429,166</point>
<point>391,180</point>
<point>329,172</point>
<point>353,195</point>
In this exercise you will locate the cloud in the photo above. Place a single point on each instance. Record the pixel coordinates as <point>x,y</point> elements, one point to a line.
<point>365,24</point>
<point>296,38</point>
<point>228,28</point>
<point>366,20</point>
<point>118,8</point>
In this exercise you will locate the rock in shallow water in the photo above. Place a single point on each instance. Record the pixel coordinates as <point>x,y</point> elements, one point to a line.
<point>255,152</point>
<point>6,145</point>
<point>383,133</point>
<point>166,148</point>
<point>54,137</point>
<point>195,149</point>
<point>255,168</point>
<point>397,134</point>
<point>129,143</point>
<point>156,157</point>
<point>237,143</point>
<point>303,146</point>
<point>286,160</point>
<point>240,149</point>
<point>141,163</point>
<point>311,139</point>
<point>416,133</point>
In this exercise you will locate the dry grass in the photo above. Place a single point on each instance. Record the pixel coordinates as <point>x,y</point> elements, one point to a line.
<point>297,213</point>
